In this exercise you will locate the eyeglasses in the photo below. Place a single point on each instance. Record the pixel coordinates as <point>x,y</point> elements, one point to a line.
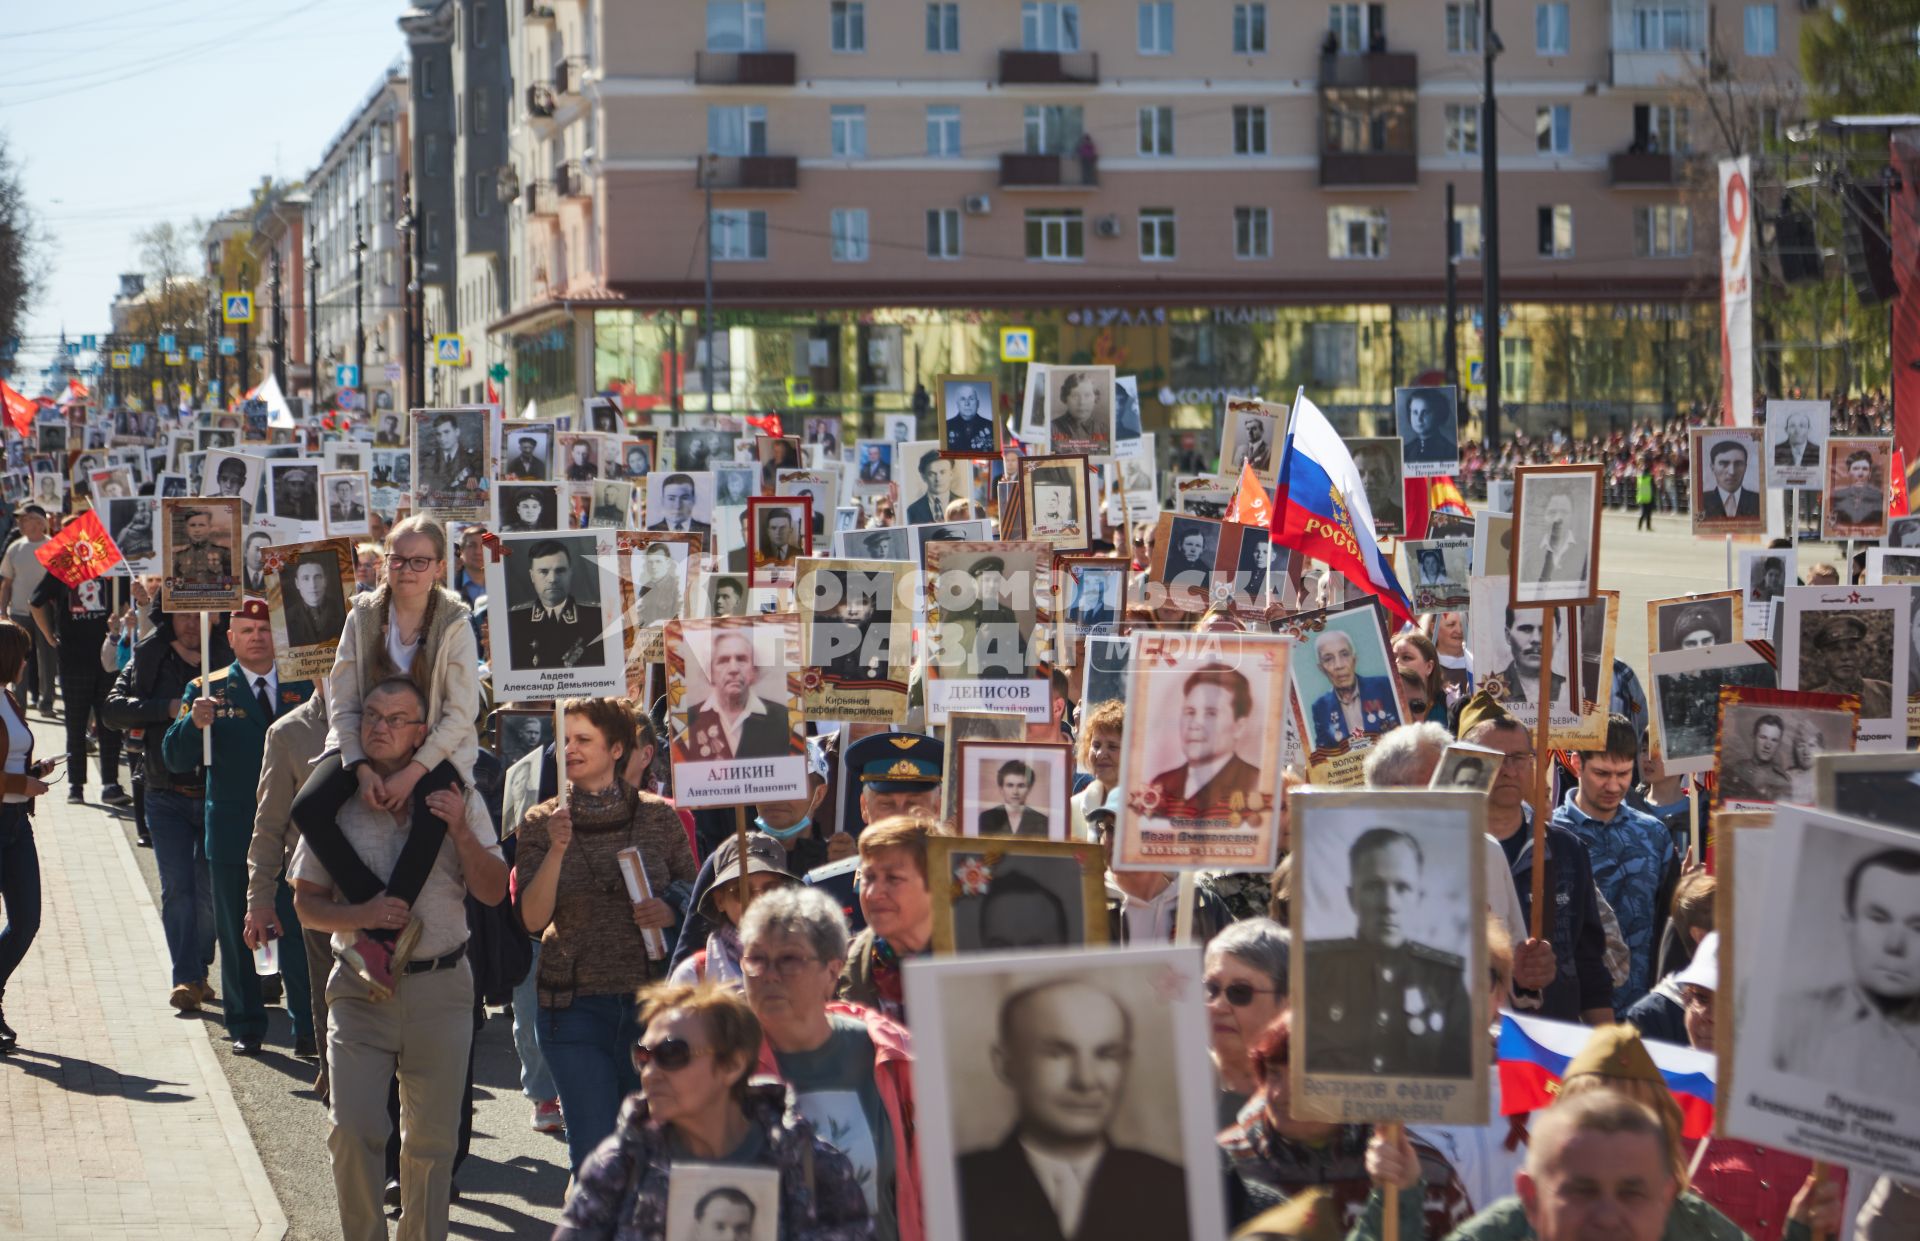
<point>1416,706</point>
<point>671,1054</point>
<point>375,720</point>
<point>413,564</point>
<point>1239,994</point>
<point>790,966</point>
<point>1524,758</point>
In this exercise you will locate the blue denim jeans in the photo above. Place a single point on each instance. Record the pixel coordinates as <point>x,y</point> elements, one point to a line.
<point>536,1080</point>
<point>178,827</point>
<point>19,888</point>
<point>589,1050</point>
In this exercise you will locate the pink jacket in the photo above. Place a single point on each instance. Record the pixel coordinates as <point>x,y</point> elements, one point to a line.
<point>893,1075</point>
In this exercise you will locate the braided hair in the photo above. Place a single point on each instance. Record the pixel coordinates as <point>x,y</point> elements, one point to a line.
<point>383,666</point>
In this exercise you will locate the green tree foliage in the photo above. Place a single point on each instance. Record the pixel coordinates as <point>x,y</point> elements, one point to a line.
<point>1861,58</point>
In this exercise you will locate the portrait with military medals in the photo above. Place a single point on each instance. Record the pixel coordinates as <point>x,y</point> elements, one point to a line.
<point>554,605</point>
<point>198,554</point>
<point>1389,956</point>
<point>735,718</point>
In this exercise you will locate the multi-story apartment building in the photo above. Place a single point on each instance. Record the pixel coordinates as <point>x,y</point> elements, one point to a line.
<point>1215,197</point>
<point>354,245</point>
<point>278,242</point>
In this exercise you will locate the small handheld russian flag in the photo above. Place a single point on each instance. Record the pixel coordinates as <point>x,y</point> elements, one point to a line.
<point>1533,1054</point>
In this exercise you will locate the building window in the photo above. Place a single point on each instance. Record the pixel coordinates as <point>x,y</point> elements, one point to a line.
<point>432,157</point>
<point>1662,232</point>
<point>943,131</point>
<point>1556,231</point>
<point>1463,28</point>
<point>1156,131</point>
<point>1763,30</point>
<point>1551,33</point>
<point>1463,129</point>
<point>943,233</point>
<point>1553,129</point>
<point>1156,28</point>
<point>943,27</point>
<point>1249,129</point>
<point>1052,129</point>
<point>736,25</point>
<point>1665,26</point>
<point>479,109</point>
<point>849,227</point>
<point>1661,129</point>
<point>737,130</point>
<point>1516,366</point>
<point>1335,349</point>
<point>1056,235</point>
<point>1250,28</point>
<point>1358,27</point>
<point>1356,232</point>
<point>1049,27</point>
<point>849,130</point>
<point>482,194</point>
<point>1466,231</point>
<point>739,236</point>
<point>426,79</point>
<point>1156,234</point>
<point>849,25</point>
<point>1252,233</point>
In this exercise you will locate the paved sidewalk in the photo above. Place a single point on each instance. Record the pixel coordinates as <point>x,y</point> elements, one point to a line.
<point>115,1118</point>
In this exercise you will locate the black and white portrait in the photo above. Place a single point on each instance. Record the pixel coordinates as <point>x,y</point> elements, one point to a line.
<point>1097,1057</point>
<point>920,538</point>
<point>1850,640</point>
<point>345,493</point>
<point>51,437</point>
<point>990,597</point>
<point>1903,533</point>
<point>581,455</point>
<point>967,414</point>
<point>1767,575</point>
<point>725,594</point>
<point>722,1202</point>
<point>1880,788</point>
<point>1133,483</point>
<point>929,481</point>
<point>610,503</point>
<point>734,485</point>
<point>1250,434</point>
<point>307,603</point>
<point>1556,534</point>
<point>1429,433</point>
<point>1470,768</point>
<point>526,451</point>
<point>855,629</point>
<point>293,488</point>
<point>131,524</point>
<point>232,475</point>
<point>1103,670</point>
<point>696,451</point>
<point>1796,439</point>
<point>878,543</point>
<point>1055,500</point>
<point>1015,790</point>
<point>635,458</point>
<point>1259,572</point>
<point>1203,495</point>
<point>558,596</point>
<point>1708,620</point>
<point>450,452</point>
<point>1092,595</point>
<point>1767,744</point>
<point>519,732</point>
<point>1015,895</point>
<point>682,502</point>
<point>603,416</point>
<point>391,468</point>
<point>1186,549</point>
<point>819,486</point>
<point>659,568</point>
<point>1381,477</point>
<point>1080,409</point>
<point>520,508</point>
<point>1683,688</point>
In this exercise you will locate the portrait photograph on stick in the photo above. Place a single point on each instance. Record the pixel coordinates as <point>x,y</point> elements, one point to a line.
<point>1389,956</point>
<point>518,731</point>
<point>930,480</point>
<point>967,416</point>
<point>1429,431</point>
<point>1102,667</point>
<point>1852,640</point>
<point>856,631</point>
<point>554,600</point>
<point>660,573</point>
<point>450,475</point>
<point>736,724</point>
<point>1858,473</point>
<point>1090,597</point>
<point>235,475</point>
<point>1796,443</point>
<point>1436,573</point>
<point>681,503</point>
<point>1880,788</point>
<point>1683,700</point>
<point>1556,534</point>
<point>779,532</point>
<point>1768,739</point>
<point>522,508</point>
<point>1080,410</point>
<point>308,586</point>
<point>1344,683</point>
<point>346,500</point>
<point>972,726</point>
<point>526,452</point>
<point>1692,621</point>
<point>1015,789</point>
<point>1766,574</point>
<point>1054,496</point>
<point>1508,645</point>
<point>197,548</point>
<point>1186,553</point>
<point>1250,435</point>
<point>989,1032</point>
<point>1006,895</point>
<point>989,607</point>
<point>1472,768</point>
<point>1726,481</point>
<point>1382,477</point>
<point>133,524</point>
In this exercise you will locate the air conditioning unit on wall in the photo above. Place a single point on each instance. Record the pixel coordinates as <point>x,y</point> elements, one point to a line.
<point>976,204</point>
<point>1107,226</point>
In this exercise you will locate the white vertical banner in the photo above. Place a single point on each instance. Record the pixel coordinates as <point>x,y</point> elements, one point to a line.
<point>1736,290</point>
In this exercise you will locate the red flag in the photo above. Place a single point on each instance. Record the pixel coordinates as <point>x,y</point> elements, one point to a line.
<point>82,551</point>
<point>19,409</point>
<point>493,393</point>
<point>767,424</point>
<point>1897,499</point>
<point>1252,505</point>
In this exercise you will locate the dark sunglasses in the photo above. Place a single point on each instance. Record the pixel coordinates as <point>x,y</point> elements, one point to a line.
<point>1239,994</point>
<point>671,1054</point>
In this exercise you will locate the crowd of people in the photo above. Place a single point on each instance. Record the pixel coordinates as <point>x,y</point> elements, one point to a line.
<point>739,1012</point>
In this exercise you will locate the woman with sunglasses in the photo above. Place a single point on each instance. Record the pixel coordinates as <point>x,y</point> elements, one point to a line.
<point>695,1104</point>
<point>1245,985</point>
<point>416,628</point>
<point>570,891</point>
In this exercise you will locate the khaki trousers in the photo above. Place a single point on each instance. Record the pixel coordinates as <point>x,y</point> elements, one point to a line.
<point>424,1033</point>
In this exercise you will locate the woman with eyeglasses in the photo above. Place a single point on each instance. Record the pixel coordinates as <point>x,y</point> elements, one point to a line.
<point>571,893</point>
<point>695,1105</point>
<point>416,628</point>
<point>1245,985</point>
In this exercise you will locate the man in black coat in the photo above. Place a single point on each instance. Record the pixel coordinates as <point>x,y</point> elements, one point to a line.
<point>1016,1191</point>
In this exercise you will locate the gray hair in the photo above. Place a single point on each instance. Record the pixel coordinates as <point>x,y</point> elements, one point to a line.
<point>1395,759</point>
<point>807,913</point>
<point>1260,943</point>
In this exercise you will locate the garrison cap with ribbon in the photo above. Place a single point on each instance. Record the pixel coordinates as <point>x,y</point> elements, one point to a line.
<point>895,762</point>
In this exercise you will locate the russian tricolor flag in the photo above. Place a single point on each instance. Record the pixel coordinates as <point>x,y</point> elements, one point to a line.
<point>1321,511</point>
<point>1534,1052</point>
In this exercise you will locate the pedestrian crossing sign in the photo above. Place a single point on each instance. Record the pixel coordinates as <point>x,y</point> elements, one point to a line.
<point>176,358</point>
<point>1016,344</point>
<point>239,307</point>
<point>1476,374</point>
<point>122,360</point>
<point>799,392</point>
<point>448,350</point>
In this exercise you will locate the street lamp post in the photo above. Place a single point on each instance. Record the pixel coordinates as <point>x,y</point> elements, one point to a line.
<point>313,321</point>
<point>359,310</point>
<point>279,322</point>
<point>1490,226</point>
<point>712,163</point>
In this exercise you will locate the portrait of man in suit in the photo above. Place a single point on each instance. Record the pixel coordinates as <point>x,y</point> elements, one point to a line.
<point>1355,705</point>
<point>345,506</point>
<point>316,610</point>
<point>969,425</point>
<point>1064,1051</point>
<point>676,497</point>
<point>1255,445</point>
<point>1728,496</point>
<point>446,464</point>
<point>1013,816</point>
<point>1798,448</point>
<point>1557,554</point>
<point>1095,598</point>
<point>1213,782</point>
<point>732,721</point>
<point>1381,480</point>
<point>529,461</point>
<point>1521,676</point>
<point>936,472</point>
<point>777,541</point>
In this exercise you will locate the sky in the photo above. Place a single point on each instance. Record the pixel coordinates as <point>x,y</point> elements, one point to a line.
<point>123,113</point>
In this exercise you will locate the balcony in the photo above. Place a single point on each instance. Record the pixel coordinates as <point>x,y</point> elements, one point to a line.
<point>1018,68</point>
<point>1626,168</point>
<point>568,75</point>
<point>1656,44</point>
<point>748,172</point>
<point>1368,168</point>
<point>743,69</point>
<point>536,12</point>
<point>541,200</point>
<point>1020,170</point>
<point>540,100</point>
<point>1639,68</point>
<point>570,179</point>
<point>1369,69</point>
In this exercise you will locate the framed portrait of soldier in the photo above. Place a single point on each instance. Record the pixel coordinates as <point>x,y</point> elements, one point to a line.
<point>1204,792</point>
<point>1796,441</point>
<point>1768,740</point>
<point>1466,767</point>
<point>1389,956</point>
<point>1857,472</point>
<point>392,467</point>
<point>1683,699</point>
<point>972,726</point>
<point>1852,640</point>
<point>1429,431</point>
<point>345,496</point>
<point>721,595</point>
<point>1186,553</point>
<point>554,608</point>
<point>1015,788</point>
<point>608,503</point>
<point>234,475</point>
<point>736,723</point>
<point>873,543</point>
<point>1347,691</point>
<point>990,609</point>
<point>660,573</point>
<point>1825,1067</point>
<point>519,731</point>
<point>779,532</point>
<point>988,1027</point>
<point>1015,894</point>
<point>1054,496</point>
<point>1726,480</point>
<point>1079,412</point>
<point>526,452</point>
<point>1556,529</point>
<point>1250,436</point>
<point>451,479</point>
<point>930,480</point>
<point>50,437</point>
<point>968,419</point>
<point>603,416</point>
<point>681,502</point>
<point>199,552</point>
<point>722,1202</point>
<point>1690,621</point>
<point>1437,572</point>
<point>856,633</point>
<point>309,586</point>
<point>133,525</point>
<point>580,456</point>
